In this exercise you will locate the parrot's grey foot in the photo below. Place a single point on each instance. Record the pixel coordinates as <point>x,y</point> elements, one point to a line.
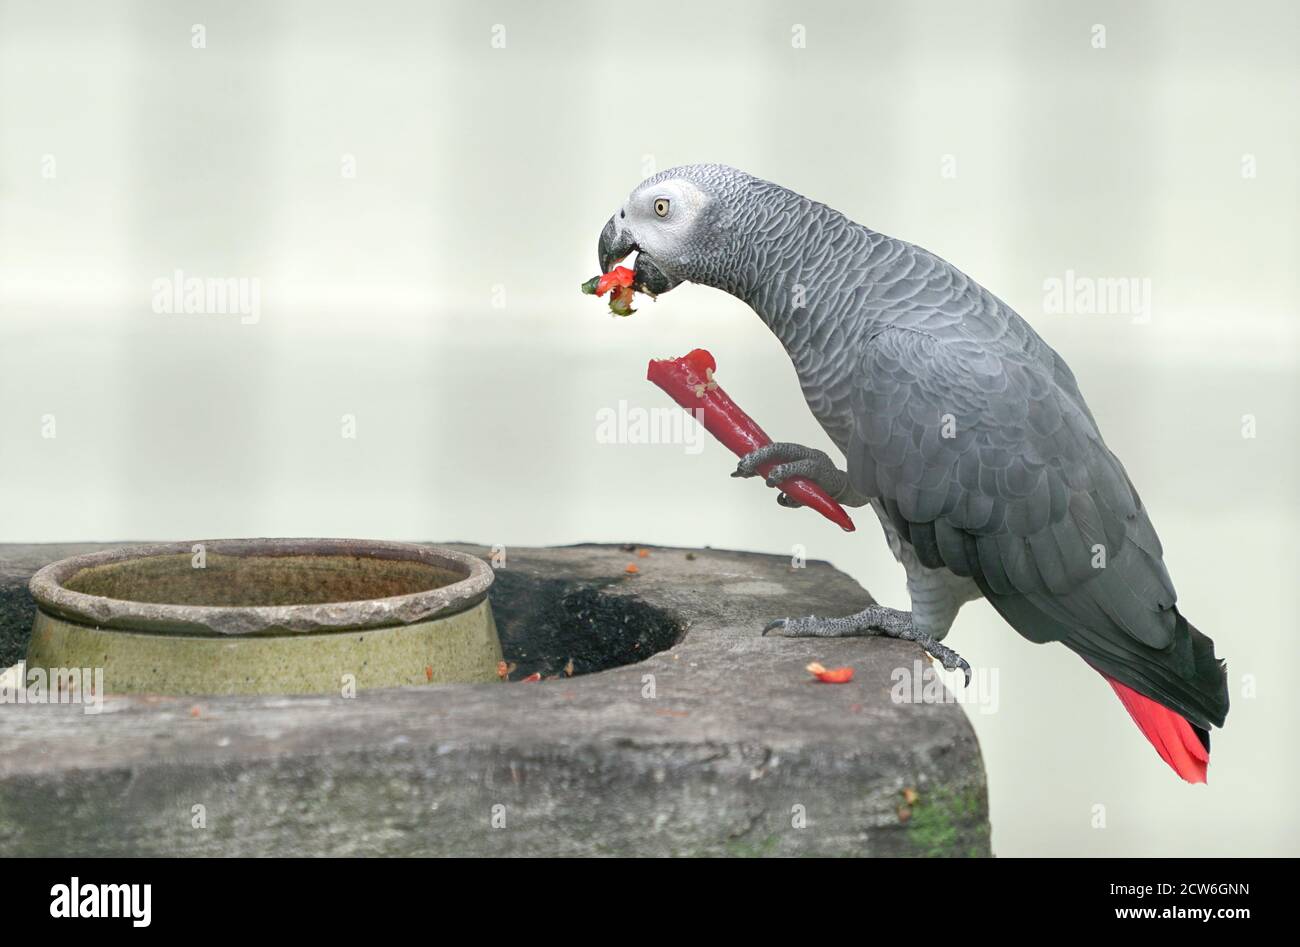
<point>872,620</point>
<point>795,460</point>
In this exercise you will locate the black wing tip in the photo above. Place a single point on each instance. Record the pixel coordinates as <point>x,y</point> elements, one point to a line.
<point>1201,734</point>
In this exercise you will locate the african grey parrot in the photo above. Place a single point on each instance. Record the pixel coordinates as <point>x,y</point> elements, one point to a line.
<point>963,430</point>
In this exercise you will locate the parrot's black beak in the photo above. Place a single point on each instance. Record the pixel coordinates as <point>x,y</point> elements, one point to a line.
<point>648,278</point>
<point>616,245</point>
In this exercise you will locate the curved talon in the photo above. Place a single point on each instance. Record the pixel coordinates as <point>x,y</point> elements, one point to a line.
<point>748,465</point>
<point>776,475</point>
<point>965,668</point>
<point>784,500</point>
<point>950,659</point>
<point>775,623</point>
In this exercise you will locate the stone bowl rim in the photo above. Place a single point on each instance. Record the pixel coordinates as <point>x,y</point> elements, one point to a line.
<point>53,597</point>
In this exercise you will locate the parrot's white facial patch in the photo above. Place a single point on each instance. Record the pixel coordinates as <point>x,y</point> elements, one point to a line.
<point>661,217</point>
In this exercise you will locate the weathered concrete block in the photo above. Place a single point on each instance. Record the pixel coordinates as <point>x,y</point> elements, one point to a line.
<point>718,745</point>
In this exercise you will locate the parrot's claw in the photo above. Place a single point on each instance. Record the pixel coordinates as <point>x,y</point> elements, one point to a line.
<point>776,623</point>
<point>795,461</point>
<point>780,450</point>
<point>872,620</point>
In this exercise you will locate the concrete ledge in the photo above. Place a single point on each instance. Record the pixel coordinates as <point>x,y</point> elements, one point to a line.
<point>736,745</point>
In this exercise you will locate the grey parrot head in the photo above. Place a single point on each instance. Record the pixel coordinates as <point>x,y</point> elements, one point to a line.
<point>680,225</point>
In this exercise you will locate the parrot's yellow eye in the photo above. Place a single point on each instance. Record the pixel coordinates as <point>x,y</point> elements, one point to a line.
<point>661,207</point>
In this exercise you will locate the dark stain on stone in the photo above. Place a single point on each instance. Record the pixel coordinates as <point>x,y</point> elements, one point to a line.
<point>543,623</point>
<point>16,613</point>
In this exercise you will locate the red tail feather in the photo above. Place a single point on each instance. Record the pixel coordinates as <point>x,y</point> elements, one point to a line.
<point>1171,735</point>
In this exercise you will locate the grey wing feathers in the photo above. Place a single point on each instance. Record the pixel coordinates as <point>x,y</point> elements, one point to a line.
<point>974,436</point>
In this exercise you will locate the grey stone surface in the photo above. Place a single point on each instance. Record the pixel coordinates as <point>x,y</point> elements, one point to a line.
<point>736,743</point>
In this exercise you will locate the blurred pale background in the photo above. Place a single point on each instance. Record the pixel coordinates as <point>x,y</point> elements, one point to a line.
<point>432,295</point>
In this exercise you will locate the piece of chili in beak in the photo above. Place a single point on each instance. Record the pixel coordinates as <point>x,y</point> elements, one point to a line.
<point>619,276</point>
<point>620,280</point>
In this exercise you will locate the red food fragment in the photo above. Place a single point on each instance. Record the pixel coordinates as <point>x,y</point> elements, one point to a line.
<point>618,276</point>
<point>503,670</point>
<point>689,381</point>
<point>428,673</point>
<point>632,568</point>
<point>701,360</point>
<point>535,676</point>
<point>620,301</point>
<point>618,283</point>
<point>642,553</point>
<point>830,675</point>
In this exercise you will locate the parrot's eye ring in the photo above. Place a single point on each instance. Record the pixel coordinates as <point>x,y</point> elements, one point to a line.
<point>661,207</point>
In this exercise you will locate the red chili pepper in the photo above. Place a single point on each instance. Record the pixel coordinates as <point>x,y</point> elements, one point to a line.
<point>830,675</point>
<point>689,381</point>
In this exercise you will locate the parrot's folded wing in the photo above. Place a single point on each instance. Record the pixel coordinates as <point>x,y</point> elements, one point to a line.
<point>985,458</point>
